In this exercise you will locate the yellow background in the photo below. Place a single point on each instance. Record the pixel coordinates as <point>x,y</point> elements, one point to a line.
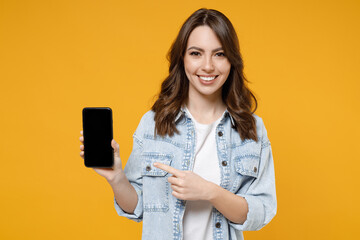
<point>56,57</point>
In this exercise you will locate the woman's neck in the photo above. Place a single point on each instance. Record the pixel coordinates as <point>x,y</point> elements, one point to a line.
<point>206,109</point>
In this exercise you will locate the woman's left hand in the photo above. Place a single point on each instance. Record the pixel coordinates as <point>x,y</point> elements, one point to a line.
<point>187,185</point>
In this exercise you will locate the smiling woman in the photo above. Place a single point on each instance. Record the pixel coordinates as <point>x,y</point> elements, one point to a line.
<point>201,165</point>
<point>206,46</point>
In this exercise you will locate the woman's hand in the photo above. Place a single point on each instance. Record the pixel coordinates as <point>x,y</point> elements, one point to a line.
<point>187,185</point>
<point>111,174</point>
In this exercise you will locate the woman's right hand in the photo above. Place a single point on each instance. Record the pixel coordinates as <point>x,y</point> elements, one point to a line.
<point>111,174</point>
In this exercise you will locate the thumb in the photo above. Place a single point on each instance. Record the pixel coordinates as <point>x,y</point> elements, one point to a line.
<point>116,148</point>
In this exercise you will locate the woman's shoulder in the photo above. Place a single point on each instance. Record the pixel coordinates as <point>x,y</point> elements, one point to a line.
<point>259,121</point>
<point>146,122</point>
<point>148,116</point>
<point>260,128</point>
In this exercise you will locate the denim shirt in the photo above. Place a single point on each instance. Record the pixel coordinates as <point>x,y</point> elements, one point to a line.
<point>247,170</point>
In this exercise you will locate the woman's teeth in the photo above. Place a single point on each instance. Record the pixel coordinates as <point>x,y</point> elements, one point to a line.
<point>207,78</point>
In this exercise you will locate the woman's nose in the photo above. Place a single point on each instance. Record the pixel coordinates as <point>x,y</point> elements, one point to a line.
<point>208,64</point>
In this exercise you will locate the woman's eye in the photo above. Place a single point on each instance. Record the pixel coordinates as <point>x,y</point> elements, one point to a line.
<point>220,54</point>
<point>195,53</point>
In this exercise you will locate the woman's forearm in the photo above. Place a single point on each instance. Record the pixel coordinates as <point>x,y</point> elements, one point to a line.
<point>232,206</point>
<point>124,192</point>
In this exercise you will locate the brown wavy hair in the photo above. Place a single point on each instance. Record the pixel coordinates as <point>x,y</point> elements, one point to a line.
<point>174,89</point>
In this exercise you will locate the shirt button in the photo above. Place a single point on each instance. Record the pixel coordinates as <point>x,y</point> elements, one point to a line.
<point>148,168</point>
<point>220,133</point>
<point>255,169</point>
<point>218,225</point>
<point>224,163</point>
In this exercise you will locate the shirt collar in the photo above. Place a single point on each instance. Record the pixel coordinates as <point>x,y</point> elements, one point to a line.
<point>182,112</point>
<point>227,113</point>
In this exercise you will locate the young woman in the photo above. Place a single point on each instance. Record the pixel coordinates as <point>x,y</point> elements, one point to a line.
<point>201,165</point>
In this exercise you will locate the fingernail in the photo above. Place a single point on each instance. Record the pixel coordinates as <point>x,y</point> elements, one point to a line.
<point>155,164</point>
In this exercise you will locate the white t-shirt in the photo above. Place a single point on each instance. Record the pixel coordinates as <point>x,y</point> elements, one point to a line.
<point>197,220</point>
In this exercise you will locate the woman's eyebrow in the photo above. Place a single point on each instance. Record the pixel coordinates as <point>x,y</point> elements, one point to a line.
<point>202,50</point>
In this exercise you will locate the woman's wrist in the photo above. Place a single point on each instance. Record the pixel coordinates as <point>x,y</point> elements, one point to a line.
<point>117,178</point>
<point>212,191</point>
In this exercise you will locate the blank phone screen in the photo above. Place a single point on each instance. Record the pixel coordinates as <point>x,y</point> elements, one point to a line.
<point>98,133</point>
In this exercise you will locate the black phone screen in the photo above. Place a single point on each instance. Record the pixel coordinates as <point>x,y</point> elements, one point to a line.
<point>98,133</point>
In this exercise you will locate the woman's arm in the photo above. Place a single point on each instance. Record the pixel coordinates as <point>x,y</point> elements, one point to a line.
<point>246,212</point>
<point>127,185</point>
<point>124,192</point>
<point>188,185</point>
<point>232,206</point>
<point>249,211</point>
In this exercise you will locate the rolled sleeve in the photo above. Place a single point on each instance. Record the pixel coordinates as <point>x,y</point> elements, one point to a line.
<point>137,215</point>
<point>261,195</point>
<point>255,216</point>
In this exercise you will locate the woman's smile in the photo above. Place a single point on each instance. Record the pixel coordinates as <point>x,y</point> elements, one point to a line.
<point>207,80</point>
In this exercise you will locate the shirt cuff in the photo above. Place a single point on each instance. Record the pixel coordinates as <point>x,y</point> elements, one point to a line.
<point>255,217</point>
<point>138,212</point>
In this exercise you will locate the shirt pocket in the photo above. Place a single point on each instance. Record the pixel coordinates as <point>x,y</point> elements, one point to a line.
<point>246,172</point>
<point>155,183</point>
<point>247,165</point>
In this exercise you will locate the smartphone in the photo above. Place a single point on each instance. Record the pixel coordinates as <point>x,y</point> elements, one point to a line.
<point>98,133</point>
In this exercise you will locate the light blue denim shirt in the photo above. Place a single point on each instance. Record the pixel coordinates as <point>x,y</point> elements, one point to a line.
<point>247,169</point>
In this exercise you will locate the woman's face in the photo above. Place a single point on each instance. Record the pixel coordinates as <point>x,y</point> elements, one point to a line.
<point>206,65</point>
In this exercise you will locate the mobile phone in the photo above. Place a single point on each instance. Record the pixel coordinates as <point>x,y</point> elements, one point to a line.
<point>98,133</point>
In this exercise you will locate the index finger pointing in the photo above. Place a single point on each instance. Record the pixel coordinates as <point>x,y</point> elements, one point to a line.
<point>167,168</point>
